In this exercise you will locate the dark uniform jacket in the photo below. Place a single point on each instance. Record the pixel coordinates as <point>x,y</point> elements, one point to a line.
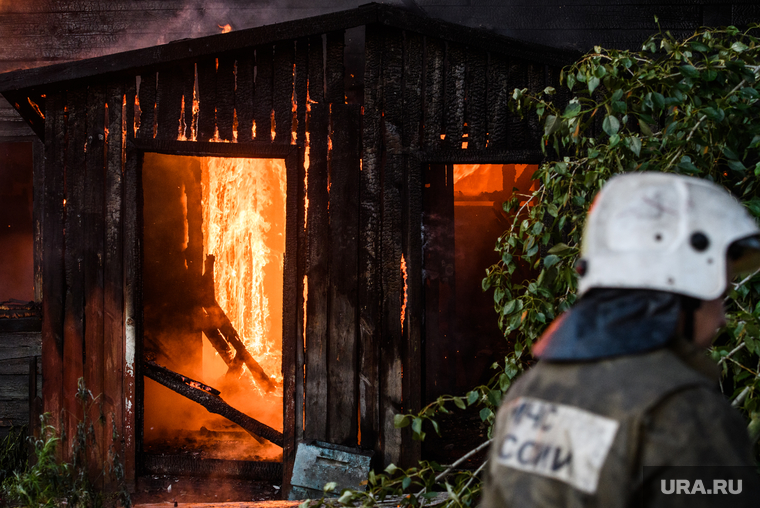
<point>576,434</point>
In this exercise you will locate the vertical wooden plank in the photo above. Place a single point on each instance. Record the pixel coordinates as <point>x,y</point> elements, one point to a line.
<point>498,100</point>
<point>225,96</point>
<point>517,128</point>
<point>38,212</point>
<point>94,253</point>
<point>342,376</point>
<point>262,106</point>
<point>188,95</point>
<point>454,94</point>
<point>335,89</point>
<point>113,283</point>
<point>301,93</point>
<point>244,95</point>
<point>147,98</point>
<point>206,99</point>
<point>73,328</point>
<point>319,277</point>
<point>477,62</point>
<point>132,252</point>
<point>369,243</point>
<point>316,70</point>
<point>282,93</point>
<point>412,247</point>
<point>433,102</point>
<point>53,279</point>
<point>391,346</point>
<point>169,103</point>
<point>289,317</point>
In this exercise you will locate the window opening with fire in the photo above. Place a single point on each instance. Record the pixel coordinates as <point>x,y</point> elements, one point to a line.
<point>462,219</point>
<point>214,246</point>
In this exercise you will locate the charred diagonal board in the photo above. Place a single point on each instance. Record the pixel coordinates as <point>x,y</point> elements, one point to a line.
<point>182,379</point>
<point>213,403</point>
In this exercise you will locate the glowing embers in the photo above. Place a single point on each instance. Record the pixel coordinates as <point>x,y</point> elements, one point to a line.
<point>231,211</point>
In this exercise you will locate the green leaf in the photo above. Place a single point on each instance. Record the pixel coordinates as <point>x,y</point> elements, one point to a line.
<point>593,83</point>
<point>417,425</point>
<point>551,125</point>
<point>644,127</point>
<point>551,260</point>
<point>698,46</point>
<point>330,486</point>
<point>494,397</point>
<point>687,166</point>
<point>405,483</point>
<point>611,125</point>
<point>458,402</point>
<point>508,308</point>
<point>485,414</point>
<point>714,114</point>
<point>559,248</point>
<point>572,110</point>
<point>635,145</point>
<point>345,498</point>
<point>710,75</point>
<point>617,95</point>
<point>472,397</point>
<point>570,81</point>
<point>400,421</point>
<point>736,166</point>
<point>658,100</point>
<point>689,71</point>
<point>435,426</point>
<point>739,47</point>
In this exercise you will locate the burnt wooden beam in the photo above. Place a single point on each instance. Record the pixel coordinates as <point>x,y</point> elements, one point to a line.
<point>343,376</point>
<point>94,253</point>
<point>370,292</point>
<point>225,97</point>
<point>335,90</point>
<point>255,149</point>
<point>212,402</point>
<point>245,96</point>
<point>475,113</point>
<point>131,427</point>
<point>412,236</point>
<point>182,465</point>
<point>498,95</point>
<point>188,95</point>
<point>282,91</point>
<point>147,98</point>
<point>316,70</point>
<point>433,93</point>
<point>113,269</point>
<point>262,105</point>
<point>517,128</point>
<point>38,213</point>
<point>206,99</point>
<point>391,347</point>
<point>169,103</point>
<point>454,95</point>
<point>318,277</point>
<point>74,238</point>
<point>31,107</point>
<point>53,280</point>
<point>487,156</point>
<point>170,374</point>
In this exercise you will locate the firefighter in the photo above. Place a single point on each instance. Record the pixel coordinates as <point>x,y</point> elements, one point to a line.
<point>623,380</point>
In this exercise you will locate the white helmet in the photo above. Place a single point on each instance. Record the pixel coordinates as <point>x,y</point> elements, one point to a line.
<point>669,233</point>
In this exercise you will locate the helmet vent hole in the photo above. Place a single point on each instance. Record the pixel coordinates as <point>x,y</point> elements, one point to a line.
<point>671,281</point>
<point>658,237</point>
<point>699,241</point>
<point>709,261</point>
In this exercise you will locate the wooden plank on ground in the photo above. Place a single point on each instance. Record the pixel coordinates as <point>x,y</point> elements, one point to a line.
<point>475,114</point>
<point>206,99</point>
<point>147,98</point>
<point>391,348</point>
<point>113,275</point>
<point>282,93</point>
<point>53,279</point>
<point>369,294</point>
<point>318,276</point>
<point>73,333</point>
<point>342,373</point>
<point>225,97</point>
<point>335,89</point>
<point>244,96</point>
<point>262,106</point>
<point>169,103</point>
<point>498,95</point>
<point>433,101</point>
<point>94,254</point>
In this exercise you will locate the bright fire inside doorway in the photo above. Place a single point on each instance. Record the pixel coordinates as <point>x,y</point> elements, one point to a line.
<point>214,245</point>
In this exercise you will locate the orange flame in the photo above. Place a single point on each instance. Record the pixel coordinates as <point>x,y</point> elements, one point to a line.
<point>406,288</point>
<point>225,28</point>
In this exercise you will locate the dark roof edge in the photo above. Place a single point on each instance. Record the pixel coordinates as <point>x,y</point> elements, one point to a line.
<point>193,49</point>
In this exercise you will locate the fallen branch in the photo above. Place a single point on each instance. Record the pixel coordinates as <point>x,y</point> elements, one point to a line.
<point>213,403</point>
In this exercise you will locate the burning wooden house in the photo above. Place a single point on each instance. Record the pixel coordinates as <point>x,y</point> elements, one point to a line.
<point>297,216</point>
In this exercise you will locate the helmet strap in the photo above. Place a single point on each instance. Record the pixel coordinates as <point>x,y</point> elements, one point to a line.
<point>688,306</point>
